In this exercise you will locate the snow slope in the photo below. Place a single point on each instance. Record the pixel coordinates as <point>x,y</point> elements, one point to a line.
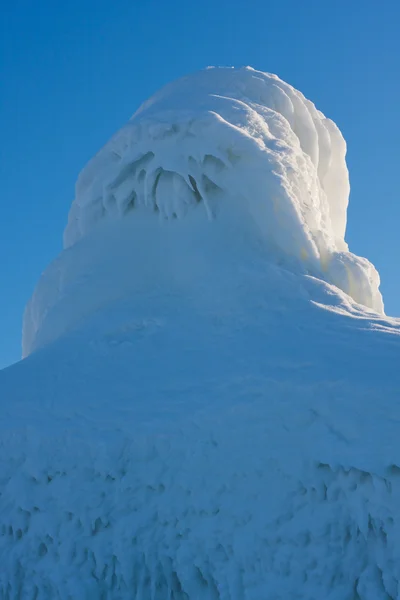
<point>209,404</point>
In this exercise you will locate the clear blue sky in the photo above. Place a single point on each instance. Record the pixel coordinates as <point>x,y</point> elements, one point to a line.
<point>73,72</point>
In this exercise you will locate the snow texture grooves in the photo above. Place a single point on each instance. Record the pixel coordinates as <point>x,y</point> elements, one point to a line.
<point>90,520</point>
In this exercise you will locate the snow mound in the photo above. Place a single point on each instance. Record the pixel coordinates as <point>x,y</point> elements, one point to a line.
<point>240,447</point>
<point>234,139</point>
<point>209,406</point>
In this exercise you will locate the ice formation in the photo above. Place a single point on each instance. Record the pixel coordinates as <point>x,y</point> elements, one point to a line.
<point>229,145</point>
<point>223,136</point>
<point>209,404</point>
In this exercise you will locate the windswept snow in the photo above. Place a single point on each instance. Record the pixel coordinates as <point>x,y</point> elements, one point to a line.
<point>209,407</point>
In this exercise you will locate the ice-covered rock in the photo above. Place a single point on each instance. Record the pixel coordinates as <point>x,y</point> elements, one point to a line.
<point>209,404</point>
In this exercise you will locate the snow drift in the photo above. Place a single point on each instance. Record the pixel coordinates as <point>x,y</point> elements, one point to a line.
<point>209,404</point>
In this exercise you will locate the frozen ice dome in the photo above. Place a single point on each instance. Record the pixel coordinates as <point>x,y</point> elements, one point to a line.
<point>226,141</point>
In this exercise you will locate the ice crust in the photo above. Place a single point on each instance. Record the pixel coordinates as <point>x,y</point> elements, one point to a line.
<point>225,136</point>
<point>209,407</point>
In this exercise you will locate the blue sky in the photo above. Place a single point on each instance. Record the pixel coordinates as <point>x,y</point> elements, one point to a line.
<point>72,73</point>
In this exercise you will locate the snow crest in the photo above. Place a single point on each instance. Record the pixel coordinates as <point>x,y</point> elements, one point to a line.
<point>234,139</point>
<point>221,150</point>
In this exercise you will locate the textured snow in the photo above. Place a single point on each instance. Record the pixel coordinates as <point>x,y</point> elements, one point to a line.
<point>209,405</point>
<point>232,145</point>
<point>226,136</point>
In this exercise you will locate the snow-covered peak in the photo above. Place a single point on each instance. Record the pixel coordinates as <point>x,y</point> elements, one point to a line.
<point>225,141</point>
<point>238,132</point>
<point>235,159</point>
<point>209,416</point>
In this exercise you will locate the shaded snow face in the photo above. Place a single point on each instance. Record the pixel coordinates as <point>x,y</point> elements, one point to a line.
<point>235,159</point>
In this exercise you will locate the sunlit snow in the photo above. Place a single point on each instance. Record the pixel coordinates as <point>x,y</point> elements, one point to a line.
<point>209,407</point>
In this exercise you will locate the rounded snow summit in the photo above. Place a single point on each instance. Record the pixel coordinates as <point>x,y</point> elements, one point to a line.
<point>235,153</point>
<point>208,407</point>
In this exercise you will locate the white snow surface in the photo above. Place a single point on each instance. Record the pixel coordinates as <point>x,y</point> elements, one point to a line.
<point>229,145</point>
<point>234,136</point>
<point>209,407</point>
